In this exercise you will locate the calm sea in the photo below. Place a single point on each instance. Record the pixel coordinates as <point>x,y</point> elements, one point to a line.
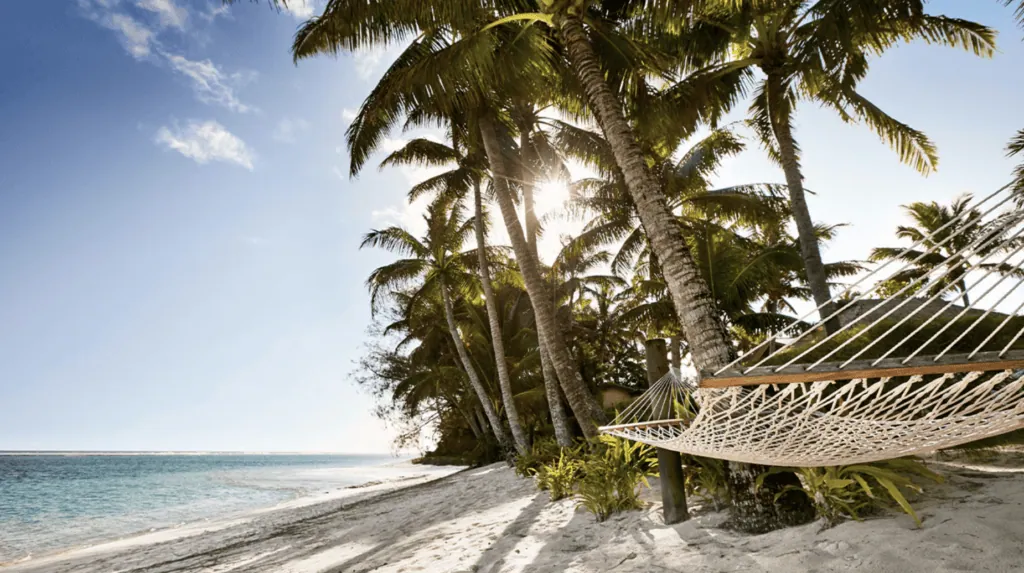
<point>52,502</point>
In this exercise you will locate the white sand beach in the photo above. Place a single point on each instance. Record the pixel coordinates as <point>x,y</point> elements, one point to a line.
<point>489,520</point>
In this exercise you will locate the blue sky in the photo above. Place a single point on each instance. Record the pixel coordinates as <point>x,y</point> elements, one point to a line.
<point>179,263</point>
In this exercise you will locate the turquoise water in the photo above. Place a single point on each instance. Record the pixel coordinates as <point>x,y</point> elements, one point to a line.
<point>52,502</point>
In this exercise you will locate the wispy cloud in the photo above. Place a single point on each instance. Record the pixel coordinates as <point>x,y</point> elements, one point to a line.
<point>209,83</point>
<point>367,60</point>
<point>135,36</point>
<point>169,13</point>
<point>348,115</point>
<point>216,11</point>
<point>288,129</point>
<point>204,142</point>
<point>301,9</point>
<point>142,41</point>
<point>408,215</point>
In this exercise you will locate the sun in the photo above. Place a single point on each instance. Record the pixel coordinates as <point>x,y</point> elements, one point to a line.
<point>550,197</point>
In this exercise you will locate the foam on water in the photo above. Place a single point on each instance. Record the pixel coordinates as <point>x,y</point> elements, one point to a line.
<point>54,502</point>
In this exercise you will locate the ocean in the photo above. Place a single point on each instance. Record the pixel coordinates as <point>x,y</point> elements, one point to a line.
<point>54,502</point>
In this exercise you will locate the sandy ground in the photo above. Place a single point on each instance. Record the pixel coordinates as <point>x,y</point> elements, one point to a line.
<point>489,520</point>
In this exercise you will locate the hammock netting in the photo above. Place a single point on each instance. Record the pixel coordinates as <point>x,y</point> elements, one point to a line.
<point>938,363</point>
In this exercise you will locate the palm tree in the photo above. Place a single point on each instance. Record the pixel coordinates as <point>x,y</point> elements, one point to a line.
<point>704,331</point>
<point>448,72</point>
<point>437,261</point>
<point>447,69</point>
<point>929,218</point>
<point>1016,147</point>
<point>455,184</point>
<point>537,158</point>
<point>819,50</point>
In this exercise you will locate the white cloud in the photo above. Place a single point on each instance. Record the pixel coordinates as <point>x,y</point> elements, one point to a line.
<point>348,115</point>
<point>288,129</point>
<point>392,144</point>
<point>367,60</point>
<point>169,13</point>
<point>209,83</point>
<point>136,38</point>
<point>409,216</point>
<point>301,9</point>
<point>215,11</point>
<point>204,142</point>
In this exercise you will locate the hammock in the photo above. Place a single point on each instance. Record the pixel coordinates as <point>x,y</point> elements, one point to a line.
<point>804,398</point>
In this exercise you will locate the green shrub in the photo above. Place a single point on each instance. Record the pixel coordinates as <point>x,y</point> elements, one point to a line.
<point>612,474</point>
<point>839,492</point>
<point>706,481</point>
<point>560,477</point>
<point>544,451</point>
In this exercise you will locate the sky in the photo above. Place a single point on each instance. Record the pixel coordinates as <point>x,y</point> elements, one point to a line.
<point>179,261</point>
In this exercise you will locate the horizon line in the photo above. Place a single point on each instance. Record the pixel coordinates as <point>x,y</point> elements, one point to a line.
<point>190,452</point>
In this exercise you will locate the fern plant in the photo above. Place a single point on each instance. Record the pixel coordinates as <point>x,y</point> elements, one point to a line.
<point>846,491</point>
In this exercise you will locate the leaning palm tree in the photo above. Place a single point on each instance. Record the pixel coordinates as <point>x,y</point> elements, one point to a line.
<point>440,77</point>
<point>819,50</point>
<point>437,260</point>
<point>1016,147</point>
<point>571,19</point>
<point>455,184</point>
<point>933,225</point>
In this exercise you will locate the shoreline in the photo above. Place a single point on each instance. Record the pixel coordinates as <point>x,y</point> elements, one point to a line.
<point>491,521</point>
<point>352,494</point>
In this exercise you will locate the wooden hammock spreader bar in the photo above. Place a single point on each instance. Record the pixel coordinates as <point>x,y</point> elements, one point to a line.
<point>645,425</point>
<point>888,368</point>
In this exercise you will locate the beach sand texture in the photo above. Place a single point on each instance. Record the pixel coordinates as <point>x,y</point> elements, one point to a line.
<point>489,520</point>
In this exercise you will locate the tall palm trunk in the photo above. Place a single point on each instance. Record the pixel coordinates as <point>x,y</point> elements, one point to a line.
<point>563,435</point>
<point>586,409</point>
<point>754,509</point>
<point>701,325</point>
<point>497,340</point>
<point>963,292</point>
<point>677,354</point>
<point>817,280</point>
<point>467,364</point>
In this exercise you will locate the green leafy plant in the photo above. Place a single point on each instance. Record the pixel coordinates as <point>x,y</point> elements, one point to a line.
<point>544,451</point>
<point>846,491</point>
<point>705,480</point>
<point>613,473</point>
<point>559,477</point>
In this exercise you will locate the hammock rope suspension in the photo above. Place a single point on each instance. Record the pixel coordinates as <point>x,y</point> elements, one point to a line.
<point>901,375</point>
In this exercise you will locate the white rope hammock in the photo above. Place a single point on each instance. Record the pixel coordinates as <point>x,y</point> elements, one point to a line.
<point>786,403</point>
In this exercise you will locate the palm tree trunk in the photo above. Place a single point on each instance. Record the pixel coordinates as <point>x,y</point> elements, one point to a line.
<point>586,409</point>
<point>701,325</point>
<point>963,290</point>
<point>817,280</point>
<point>497,340</point>
<point>677,353</point>
<point>529,207</point>
<point>753,508</point>
<point>563,435</point>
<point>467,364</point>
<point>481,420</point>
<point>473,426</point>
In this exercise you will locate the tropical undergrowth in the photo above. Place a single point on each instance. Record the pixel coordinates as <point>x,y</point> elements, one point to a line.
<point>854,491</point>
